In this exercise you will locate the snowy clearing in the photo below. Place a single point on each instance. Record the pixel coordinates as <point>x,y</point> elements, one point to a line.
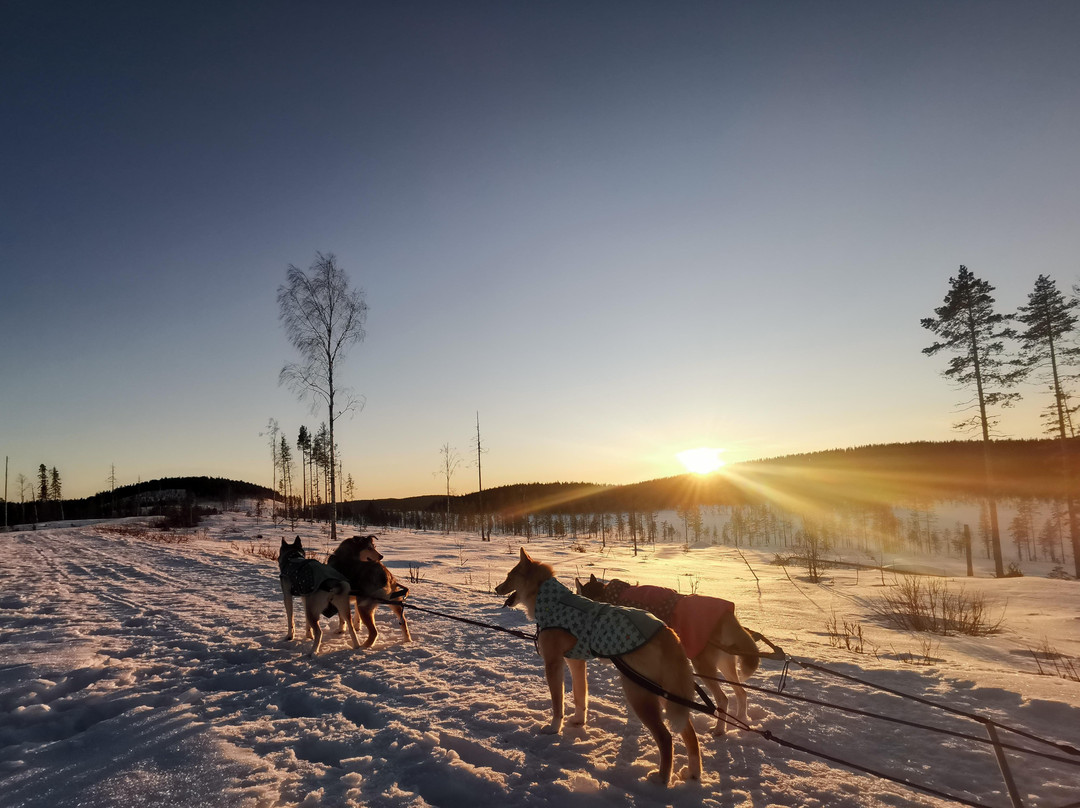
<point>140,672</point>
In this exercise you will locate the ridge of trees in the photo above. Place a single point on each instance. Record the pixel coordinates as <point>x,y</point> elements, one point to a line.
<point>895,473</point>
<point>881,474</point>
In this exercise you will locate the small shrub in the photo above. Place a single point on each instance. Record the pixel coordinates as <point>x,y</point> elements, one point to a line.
<point>263,550</point>
<point>918,605</point>
<point>1059,573</point>
<point>1062,665</point>
<point>925,656</point>
<point>1013,571</point>
<point>849,635</point>
<point>691,580</point>
<point>415,576</point>
<point>168,538</point>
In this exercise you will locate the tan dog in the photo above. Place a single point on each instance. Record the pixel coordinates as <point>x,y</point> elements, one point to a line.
<point>707,627</point>
<point>370,582</point>
<point>574,628</point>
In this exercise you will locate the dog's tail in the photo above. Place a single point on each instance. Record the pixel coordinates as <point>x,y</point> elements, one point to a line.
<point>335,587</point>
<point>747,654</point>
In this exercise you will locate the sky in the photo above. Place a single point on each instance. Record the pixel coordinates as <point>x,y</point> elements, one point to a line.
<point>615,231</point>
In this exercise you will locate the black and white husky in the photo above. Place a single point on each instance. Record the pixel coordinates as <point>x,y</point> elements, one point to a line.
<point>319,586</point>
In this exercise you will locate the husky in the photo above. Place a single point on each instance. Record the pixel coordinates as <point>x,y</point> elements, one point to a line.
<point>371,583</point>
<point>319,586</point>
<point>707,627</point>
<point>573,628</point>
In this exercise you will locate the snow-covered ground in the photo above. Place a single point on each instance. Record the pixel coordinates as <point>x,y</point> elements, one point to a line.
<point>140,672</point>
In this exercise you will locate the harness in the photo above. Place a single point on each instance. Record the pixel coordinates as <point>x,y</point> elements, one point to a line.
<point>601,629</point>
<point>306,575</point>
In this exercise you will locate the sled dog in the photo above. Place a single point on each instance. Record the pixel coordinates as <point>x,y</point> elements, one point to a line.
<point>574,628</point>
<point>371,583</point>
<point>319,586</point>
<point>708,630</point>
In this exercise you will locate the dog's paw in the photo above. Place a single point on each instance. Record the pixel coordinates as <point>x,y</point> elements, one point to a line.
<point>656,777</point>
<point>551,729</point>
<point>719,730</point>
<point>688,775</point>
<point>577,720</point>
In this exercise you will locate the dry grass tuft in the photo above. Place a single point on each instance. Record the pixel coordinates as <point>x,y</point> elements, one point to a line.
<point>928,605</point>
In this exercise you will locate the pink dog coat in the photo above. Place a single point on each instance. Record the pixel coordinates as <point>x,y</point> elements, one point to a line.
<point>692,617</point>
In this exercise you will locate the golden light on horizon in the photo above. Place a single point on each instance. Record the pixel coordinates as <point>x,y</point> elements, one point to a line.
<point>702,460</point>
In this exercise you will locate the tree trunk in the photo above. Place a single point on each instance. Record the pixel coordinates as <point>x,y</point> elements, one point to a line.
<point>333,487</point>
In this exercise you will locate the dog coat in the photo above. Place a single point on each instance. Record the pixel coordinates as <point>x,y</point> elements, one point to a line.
<point>306,575</point>
<point>692,617</point>
<point>602,630</point>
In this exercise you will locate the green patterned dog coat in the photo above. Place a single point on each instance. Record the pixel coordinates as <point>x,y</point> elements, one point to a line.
<point>306,575</point>
<point>602,630</point>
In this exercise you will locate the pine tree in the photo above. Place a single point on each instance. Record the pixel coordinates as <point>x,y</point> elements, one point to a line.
<point>970,328</point>
<point>1050,321</point>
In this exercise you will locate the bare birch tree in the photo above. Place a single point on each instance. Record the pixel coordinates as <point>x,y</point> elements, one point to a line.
<point>450,462</point>
<point>272,434</point>
<point>323,318</point>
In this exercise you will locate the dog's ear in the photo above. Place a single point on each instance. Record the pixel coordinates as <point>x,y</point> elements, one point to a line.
<point>592,578</point>
<point>284,543</point>
<point>525,556</point>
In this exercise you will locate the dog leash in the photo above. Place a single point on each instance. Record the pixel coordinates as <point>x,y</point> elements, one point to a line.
<point>653,687</point>
<point>515,632</point>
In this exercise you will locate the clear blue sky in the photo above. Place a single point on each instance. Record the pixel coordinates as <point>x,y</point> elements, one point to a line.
<point>617,230</point>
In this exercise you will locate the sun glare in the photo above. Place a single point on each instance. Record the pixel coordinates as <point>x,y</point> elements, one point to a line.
<point>701,461</point>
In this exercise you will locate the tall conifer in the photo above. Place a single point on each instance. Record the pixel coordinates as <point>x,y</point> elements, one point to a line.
<point>1050,319</point>
<point>968,326</point>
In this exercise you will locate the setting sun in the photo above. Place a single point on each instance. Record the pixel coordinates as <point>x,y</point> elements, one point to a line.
<point>701,461</point>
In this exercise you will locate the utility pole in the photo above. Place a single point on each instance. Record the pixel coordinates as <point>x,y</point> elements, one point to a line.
<point>5,490</point>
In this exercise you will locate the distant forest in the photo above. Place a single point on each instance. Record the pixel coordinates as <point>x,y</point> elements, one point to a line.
<point>891,474</point>
<point>152,497</point>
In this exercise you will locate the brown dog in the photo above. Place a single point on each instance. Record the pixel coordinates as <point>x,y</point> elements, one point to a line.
<point>371,583</point>
<point>574,628</point>
<point>707,627</point>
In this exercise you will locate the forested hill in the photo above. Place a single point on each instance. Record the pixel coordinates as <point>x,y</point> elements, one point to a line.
<point>888,474</point>
<point>202,488</point>
<point>150,496</point>
<point>884,474</point>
